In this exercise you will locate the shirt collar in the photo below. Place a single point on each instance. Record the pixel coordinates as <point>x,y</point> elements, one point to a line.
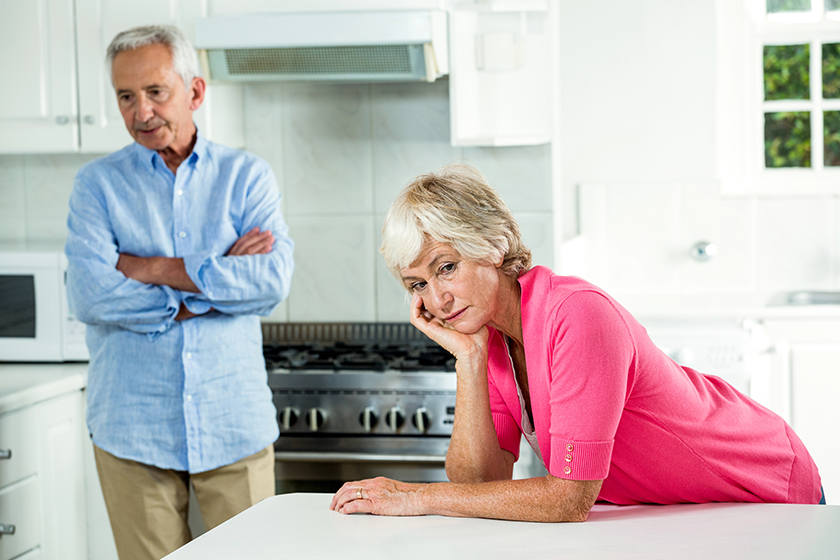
<point>152,159</point>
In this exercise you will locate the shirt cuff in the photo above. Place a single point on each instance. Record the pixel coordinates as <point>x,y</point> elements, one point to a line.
<point>508,433</point>
<point>173,306</point>
<point>195,305</point>
<point>193,264</point>
<point>580,460</point>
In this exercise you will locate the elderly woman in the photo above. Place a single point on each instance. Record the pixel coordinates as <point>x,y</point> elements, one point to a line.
<point>558,360</point>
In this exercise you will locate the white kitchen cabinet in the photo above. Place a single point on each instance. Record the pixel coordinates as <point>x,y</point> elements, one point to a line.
<point>38,109</point>
<point>804,387</point>
<point>62,99</point>
<point>42,484</point>
<point>500,82</point>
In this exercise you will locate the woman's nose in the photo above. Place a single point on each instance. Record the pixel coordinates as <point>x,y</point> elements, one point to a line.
<point>440,296</point>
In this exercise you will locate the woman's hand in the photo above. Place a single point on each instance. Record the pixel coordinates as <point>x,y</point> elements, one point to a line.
<point>379,496</point>
<point>460,345</point>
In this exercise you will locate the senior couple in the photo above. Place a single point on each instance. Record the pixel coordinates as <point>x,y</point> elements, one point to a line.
<point>177,244</point>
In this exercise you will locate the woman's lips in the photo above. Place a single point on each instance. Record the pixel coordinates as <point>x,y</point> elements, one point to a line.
<point>455,315</point>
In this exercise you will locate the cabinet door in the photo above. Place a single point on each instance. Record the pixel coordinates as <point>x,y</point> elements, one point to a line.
<point>38,98</point>
<point>61,473</point>
<point>98,21</point>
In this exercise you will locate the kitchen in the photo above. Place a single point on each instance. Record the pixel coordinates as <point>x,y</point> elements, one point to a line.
<point>649,97</point>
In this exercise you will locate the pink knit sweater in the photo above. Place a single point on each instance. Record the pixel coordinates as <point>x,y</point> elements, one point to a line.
<point>608,404</point>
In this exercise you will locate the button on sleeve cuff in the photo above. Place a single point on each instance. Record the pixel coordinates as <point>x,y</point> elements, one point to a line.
<point>580,460</point>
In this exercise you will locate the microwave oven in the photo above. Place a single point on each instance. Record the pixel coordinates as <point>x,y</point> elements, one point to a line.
<point>35,321</point>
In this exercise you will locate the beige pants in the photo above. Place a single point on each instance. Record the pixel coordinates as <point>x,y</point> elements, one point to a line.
<point>148,506</point>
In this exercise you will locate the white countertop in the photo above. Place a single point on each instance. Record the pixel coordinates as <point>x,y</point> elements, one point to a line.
<point>720,306</point>
<point>26,384</point>
<point>302,526</point>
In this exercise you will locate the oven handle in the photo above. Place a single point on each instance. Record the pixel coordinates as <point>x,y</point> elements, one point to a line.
<point>330,457</point>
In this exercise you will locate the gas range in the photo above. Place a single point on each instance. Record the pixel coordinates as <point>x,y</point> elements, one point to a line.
<point>365,398</point>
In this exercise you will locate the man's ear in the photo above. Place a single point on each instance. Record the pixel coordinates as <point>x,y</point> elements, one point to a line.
<point>198,88</point>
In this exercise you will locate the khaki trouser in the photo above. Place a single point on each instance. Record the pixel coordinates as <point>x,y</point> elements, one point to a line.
<point>148,506</point>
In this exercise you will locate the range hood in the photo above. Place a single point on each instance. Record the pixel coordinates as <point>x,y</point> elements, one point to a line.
<point>358,46</point>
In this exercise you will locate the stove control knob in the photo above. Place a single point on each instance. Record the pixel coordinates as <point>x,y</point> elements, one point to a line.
<point>288,417</point>
<point>395,418</point>
<point>315,418</point>
<point>422,420</point>
<point>368,419</point>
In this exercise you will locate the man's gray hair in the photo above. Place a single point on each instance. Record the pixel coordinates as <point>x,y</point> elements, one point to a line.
<point>184,59</point>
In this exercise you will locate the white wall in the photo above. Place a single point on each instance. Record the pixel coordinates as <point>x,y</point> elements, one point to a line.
<point>638,115</point>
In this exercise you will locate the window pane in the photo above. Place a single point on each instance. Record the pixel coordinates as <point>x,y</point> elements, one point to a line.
<point>831,129</point>
<point>775,6</point>
<point>787,139</point>
<point>832,5</point>
<point>831,70</point>
<point>786,72</point>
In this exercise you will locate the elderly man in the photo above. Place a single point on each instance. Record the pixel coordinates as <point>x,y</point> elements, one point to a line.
<point>175,246</point>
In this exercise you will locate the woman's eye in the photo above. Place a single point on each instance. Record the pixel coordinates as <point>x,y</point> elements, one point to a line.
<point>418,286</point>
<point>446,268</point>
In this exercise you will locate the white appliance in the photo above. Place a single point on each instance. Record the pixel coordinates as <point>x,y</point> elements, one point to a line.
<point>35,322</point>
<point>351,46</point>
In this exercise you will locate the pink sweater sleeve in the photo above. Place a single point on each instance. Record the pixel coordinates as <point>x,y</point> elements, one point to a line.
<point>507,429</point>
<point>592,359</point>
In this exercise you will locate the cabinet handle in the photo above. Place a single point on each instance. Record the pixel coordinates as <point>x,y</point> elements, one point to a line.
<point>62,120</point>
<point>5,453</point>
<point>6,529</point>
<point>90,119</point>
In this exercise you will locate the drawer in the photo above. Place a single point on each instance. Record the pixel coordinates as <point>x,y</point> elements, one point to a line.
<point>20,505</point>
<point>18,434</point>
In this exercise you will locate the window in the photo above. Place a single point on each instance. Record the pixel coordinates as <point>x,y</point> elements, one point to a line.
<point>790,95</point>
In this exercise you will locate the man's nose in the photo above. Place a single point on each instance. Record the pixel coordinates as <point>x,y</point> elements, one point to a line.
<point>145,110</point>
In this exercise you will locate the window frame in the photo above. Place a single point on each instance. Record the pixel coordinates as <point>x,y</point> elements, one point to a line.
<point>742,107</point>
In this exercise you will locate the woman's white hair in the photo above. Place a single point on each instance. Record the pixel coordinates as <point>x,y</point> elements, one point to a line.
<point>453,205</point>
<point>184,58</point>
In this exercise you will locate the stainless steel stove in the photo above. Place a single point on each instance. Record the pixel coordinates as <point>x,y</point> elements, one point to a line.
<point>358,400</point>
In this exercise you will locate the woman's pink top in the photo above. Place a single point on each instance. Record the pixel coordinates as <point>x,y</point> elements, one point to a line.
<point>608,404</point>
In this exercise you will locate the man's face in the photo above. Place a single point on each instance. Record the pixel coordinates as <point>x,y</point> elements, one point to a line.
<point>155,105</point>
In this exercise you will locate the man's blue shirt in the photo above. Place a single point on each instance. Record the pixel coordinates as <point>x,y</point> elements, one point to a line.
<point>188,395</point>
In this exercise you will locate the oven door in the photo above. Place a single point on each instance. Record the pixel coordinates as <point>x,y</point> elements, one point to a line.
<point>323,464</point>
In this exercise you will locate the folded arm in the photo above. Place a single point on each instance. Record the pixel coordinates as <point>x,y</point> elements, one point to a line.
<point>98,292</point>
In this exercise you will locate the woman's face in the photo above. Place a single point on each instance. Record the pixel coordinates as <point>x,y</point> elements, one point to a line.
<point>459,292</point>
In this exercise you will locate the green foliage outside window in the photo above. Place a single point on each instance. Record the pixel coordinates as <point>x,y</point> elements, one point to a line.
<point>831,70</point>
<point>774,6</point>
<point>787,139</point>
<point>786,72</point>
<point>832,5</point>
<point>831,130</point>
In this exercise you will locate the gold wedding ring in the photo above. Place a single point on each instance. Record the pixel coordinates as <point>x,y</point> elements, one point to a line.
<point>358,493</point>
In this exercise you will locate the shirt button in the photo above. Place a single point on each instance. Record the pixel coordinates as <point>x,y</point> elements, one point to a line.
<point>570,448</point>
<point>189,399</point>
<point>182,234</point>
<point>179,192</point>
<point>188,355</point>
<point>568,458</point>
<point>568,470</point>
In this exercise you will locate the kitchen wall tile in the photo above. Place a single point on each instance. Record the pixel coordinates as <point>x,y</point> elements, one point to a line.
<point>327,143</point>
<point>334,269</point>
<point>521,175</point>
<point>12,199</point>
<point>49,182</point>
<point>537,232</point>
<point>411,135</point>
<point>730,225</point>
<point>392,302</point>
<point>793,247</point>
<point>264,125</point>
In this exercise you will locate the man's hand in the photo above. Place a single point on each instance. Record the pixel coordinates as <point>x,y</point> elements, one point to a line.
<point>184,313</point>
<point>252,243</point>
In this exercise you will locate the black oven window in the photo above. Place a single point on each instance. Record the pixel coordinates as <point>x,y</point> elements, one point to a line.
<point>17,306</point>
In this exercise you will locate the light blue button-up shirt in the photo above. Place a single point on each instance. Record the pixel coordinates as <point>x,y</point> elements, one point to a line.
<point>188,395</point>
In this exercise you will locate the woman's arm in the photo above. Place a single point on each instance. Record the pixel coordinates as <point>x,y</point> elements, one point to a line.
<point>474,454</point>
<point>546,499</point>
